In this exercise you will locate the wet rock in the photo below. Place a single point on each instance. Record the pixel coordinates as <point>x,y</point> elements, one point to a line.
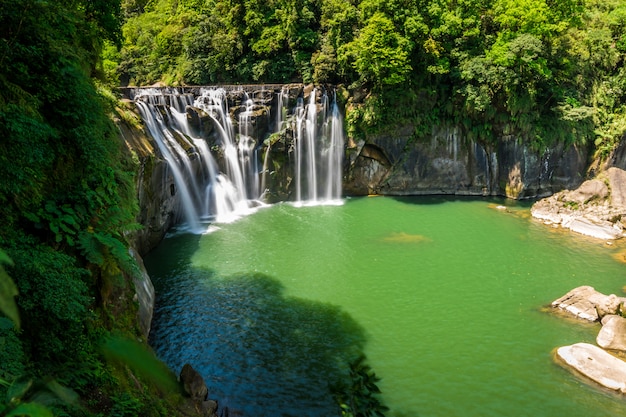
<point>144,294</point>
<point>588,304</point>
<point>193,383</point>
<point>595,364</point>
<point>613,333</point>
<point>209,408</point>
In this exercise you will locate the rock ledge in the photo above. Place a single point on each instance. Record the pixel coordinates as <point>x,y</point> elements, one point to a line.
<point>594,209</point>
<point>596,364</point>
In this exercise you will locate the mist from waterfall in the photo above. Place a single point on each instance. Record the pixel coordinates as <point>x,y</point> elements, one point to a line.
<point>222,192</point>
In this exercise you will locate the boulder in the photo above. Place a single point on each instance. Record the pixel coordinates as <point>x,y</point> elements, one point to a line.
<point>209,408</point>
<point>617,182</point>
<point>613,333</point>
<point>586,303</point>
<point>595,364</point>
<point>594,209</point>
<point>589,190</point>
<point>193,383</point>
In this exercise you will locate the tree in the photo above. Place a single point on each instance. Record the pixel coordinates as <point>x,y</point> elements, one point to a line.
<point>380,55</point>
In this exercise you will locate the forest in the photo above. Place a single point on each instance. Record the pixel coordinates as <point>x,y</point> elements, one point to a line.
<point>539,70</point>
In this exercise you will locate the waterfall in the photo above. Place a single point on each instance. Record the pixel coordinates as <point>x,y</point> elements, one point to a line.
<point>209,191</point>
<point>206,195</point>
<point>319,150</point>
<point>334,153</point>
<point>280,107</point>
<point>265,171</point>
<point>247,150</point>
<point>177,159</point>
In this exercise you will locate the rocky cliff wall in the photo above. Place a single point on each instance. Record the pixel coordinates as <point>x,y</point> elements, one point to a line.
<point>446,162</point>
<point>156,190</point>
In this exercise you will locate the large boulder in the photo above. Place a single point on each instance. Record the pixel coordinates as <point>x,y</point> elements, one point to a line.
<point>193,383</point>
<point>586,303</point>
<point>596,364</point>
<point>612,335</point>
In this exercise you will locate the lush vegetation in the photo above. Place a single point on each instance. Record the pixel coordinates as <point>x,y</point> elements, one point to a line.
<point>67,201</point>
<point>542,70</point>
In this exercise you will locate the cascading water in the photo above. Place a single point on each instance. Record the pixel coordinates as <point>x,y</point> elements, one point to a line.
<point>247,150</point>
<point>176,157</point>
<point>208,193</point>
<point>319,151</point>
<point>334,152</point>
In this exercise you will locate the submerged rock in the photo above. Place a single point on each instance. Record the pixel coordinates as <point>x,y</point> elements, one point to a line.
<point>586,303</point>
<point>594,209</point>
<point>596,364</point>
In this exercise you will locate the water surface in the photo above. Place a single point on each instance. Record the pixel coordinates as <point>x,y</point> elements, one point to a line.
<point>444,296</point>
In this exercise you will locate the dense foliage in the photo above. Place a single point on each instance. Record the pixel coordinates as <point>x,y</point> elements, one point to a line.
<point>67,199</point>
<point>541,70</point>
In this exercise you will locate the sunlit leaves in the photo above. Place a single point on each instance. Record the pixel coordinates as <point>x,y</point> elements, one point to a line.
<point>381,55</point>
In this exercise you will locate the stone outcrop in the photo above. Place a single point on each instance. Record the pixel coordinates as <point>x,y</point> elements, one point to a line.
<point>595,208</point>
<point>193,385</point>
<point>613,333</point>
<point>588,304</point>
<point>144,295</point>
<point>447,162</point>
<point>596,364</point>
<point>589,360</point>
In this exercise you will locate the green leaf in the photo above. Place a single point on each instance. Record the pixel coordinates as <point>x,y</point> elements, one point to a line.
<point>140,360</point>
<point>30,410</point>
<point>18,389</point>
<point>65,394</point>
<point>8,292</point>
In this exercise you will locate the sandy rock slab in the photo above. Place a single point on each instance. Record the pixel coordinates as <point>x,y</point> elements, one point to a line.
<point>588,304</point>
<point>595,364</point>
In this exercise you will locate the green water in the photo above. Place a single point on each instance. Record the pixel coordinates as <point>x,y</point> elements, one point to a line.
<point>444,296</point>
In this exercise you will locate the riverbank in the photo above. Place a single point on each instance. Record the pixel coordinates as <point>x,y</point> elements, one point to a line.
<point>595,209</point>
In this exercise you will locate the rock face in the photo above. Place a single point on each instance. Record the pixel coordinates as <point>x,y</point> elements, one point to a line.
<point>588,304</point>
<point>156,191</point>
<point>596,364</point>
<point>595,209</point>
<point>447,162</point>
<point>144,294</point>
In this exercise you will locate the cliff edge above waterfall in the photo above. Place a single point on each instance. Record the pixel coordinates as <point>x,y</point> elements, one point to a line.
<point>596,208</point>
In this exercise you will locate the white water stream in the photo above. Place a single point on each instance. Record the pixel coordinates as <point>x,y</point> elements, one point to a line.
<point>208,194</point>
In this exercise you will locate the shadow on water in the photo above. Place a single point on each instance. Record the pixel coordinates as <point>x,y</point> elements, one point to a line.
<point>442,199</point>
<point>260,352</point>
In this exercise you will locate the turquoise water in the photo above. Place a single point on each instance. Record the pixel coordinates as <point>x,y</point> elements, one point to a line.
<point>444,296</point>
